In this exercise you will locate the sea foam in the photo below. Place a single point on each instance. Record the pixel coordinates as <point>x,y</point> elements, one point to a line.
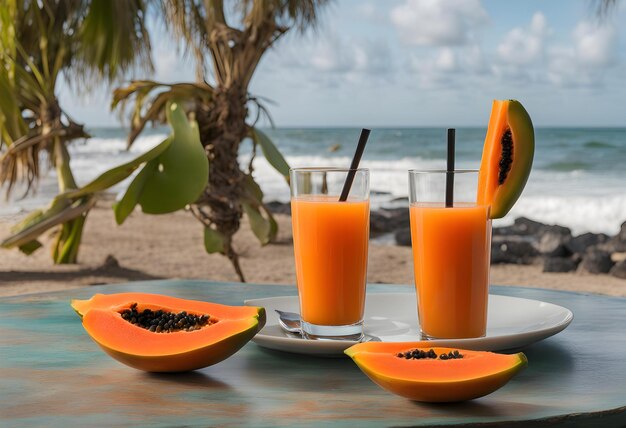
<point>580,199</point>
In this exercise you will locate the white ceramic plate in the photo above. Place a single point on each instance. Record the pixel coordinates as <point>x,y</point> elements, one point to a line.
<point>512,323</point>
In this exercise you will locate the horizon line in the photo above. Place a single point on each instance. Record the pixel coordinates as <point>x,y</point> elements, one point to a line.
<point>384,126</point>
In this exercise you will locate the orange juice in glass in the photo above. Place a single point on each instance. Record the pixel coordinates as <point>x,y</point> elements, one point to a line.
<point>330,245</point>
<point>451,254</point>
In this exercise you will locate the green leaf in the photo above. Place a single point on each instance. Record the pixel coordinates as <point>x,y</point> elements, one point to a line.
<point>70,241</point>
<point>253,198</point>
<point>213,241</point>
<point>261,227</point>
<point>30,219</point>
<point>113,37</point>
<point>252,189</point>
<point>115,175</point>
<point>183,169</point>
<point>30,247</point>
<point>12,124</point>
<point>126,205</point>
<point>273,224</point>
<point>58,213</point>
<point>271,153</point>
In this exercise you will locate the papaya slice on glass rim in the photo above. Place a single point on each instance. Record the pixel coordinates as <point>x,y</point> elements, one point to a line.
<point>433,374</point>
<point>507,157</point>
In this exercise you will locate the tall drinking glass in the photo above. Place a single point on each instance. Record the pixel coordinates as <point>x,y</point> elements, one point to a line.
<point>330,240</point>
<point>451,254</point>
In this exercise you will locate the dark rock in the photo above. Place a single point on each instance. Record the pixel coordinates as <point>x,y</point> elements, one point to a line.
<point>504,231</point>
<point>580,243</point>
<point>110,262</point>
<point>618,242</point>
<point>403,237</point>
<point>514,250</point>
<point>401,199</point>
<point>622,232</point>
<point>577,257</point>
<point>379,223</point>
<point>277,207</point>
<point>388,220</point>
<point>521,226</point>
<point>559,264</point>
<point>553,244</point>
<point>560,251</point>
<point>526,227</point>
<point>619,270</point>
<point>555,228</point>
<point>596,261</point>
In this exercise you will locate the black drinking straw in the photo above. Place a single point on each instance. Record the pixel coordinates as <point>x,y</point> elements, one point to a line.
<point>365,133</point>
<point>450,169</point>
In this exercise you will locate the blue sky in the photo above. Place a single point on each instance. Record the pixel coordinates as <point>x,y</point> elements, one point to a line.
<point>428,63</point>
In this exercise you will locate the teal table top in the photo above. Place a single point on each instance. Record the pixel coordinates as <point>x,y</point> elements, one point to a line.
<point>52,374</point>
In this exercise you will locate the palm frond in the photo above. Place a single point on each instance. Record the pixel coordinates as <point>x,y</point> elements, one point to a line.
<point>152,109</point>
<point>113,38</point>
<point>603,8</point>
<point>39,40</point>
<point>300,14</point>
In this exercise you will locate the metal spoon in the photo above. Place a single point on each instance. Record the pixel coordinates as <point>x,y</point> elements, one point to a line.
<point>290,322</point>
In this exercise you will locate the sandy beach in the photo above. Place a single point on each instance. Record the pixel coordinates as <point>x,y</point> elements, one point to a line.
<point>170,246</point>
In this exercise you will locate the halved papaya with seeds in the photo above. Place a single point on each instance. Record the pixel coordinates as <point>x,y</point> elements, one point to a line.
<point>507,157</point>
<point>158,333</point>
<point>435,374</point>
<point>106,301</point>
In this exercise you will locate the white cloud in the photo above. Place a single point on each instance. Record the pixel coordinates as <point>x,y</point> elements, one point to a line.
<point>438,22</point>
<point>332,54</point>
<point>524,46</point>
<point>584,62</point>
<point>595,44</point>
<point>526,56</point>
<point>475,60</point>
<point>367,10</point>
<point>449,67</point>
<point>562,68</point>
<point>446,60</point>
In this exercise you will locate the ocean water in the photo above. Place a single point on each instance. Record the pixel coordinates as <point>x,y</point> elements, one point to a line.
<point>578,177</point>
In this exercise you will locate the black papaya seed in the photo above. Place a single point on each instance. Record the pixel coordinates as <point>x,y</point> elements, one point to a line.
<point>165,322</point>
<point>506,159</point>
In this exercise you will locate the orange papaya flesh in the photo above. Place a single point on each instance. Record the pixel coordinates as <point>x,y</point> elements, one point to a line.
<point>231,327</point>
<point>119,301</point>
<point>473,375</point>
<point>507,157</point>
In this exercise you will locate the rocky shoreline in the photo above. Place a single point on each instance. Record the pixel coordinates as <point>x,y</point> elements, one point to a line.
<point>525,242</point>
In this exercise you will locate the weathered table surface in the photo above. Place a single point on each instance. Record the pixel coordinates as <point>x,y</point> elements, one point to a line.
<point>52,374</point>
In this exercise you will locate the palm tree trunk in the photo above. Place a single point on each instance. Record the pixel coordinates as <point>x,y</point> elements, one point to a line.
<point>65,248</point>
<point>222,128</point>
<point>65,177</point>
